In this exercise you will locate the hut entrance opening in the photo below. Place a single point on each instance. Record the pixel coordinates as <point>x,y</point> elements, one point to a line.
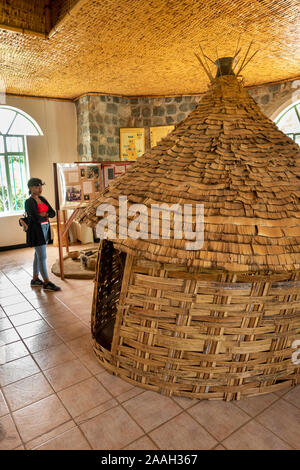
<point>111,264</point>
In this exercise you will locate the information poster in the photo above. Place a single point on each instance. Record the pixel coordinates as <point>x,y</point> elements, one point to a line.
<point>112,170</point>
<point>132,143</point>
<point>158,133</point>
<point>78,183</point>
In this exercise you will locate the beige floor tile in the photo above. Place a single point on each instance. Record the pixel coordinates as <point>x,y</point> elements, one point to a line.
<point>53,356</point>
<point>293,396</point>
<point>111,430</point>
<point>12,300</point>
<point>114,384</point>
<point>256,404</point>
<point>283,419</point>
<point>72,331</point>
<point>34,293</point>
<point>57,431</point>
<point>45,301</point>
<point>182,433</point>
<point>9,436</point>
<point>17,370</point>
<point>24,306</point>
<point>83,396</point>
<point>40,417</point>
<point>70,296</point>
<point>133,392</point>
<point>60,319</point>
<point>144,443</point>
<point>14,351</point>
<point>23,285</point>
<point>81,346</point>
<point>9,336</point>
<point>184,402</point>
<point>150,409</point>
<point>53,309</point>
<point>83,309</point>
<point>42,341</point>
<point>27,391</point>
<point>219,418</point>
<point>23,318</point>
<point>8,292</point>
<point>3,405</point>
<point>67,374</point>
<point>5,324</point>
<point>254,436</point>
<point>18,275</point>
<point>91,362</point>
<point>33,329</point>
<point>84,316</point>
<point>219,447</point>
<point>92,413</point>
<point>70,440</point>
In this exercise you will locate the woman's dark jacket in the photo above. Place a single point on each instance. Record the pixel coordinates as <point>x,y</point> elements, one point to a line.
<point>34,234</point>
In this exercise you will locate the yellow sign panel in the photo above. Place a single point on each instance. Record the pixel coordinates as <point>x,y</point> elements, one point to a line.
<point>132,143</point>
<point>158,133</point>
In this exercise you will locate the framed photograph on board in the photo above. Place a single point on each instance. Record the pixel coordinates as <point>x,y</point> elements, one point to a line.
<point>78,183</point>
<point>132,143</point>
<point>158,133</point>
<point>112,170</point>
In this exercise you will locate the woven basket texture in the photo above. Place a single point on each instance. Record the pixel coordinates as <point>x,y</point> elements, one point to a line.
<point>142,48</point>
<point>205,335</point>
<point>228,156</point>
<point>28,15</point>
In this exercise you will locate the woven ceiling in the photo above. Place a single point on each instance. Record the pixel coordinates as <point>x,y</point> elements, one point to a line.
<point>64,48</point>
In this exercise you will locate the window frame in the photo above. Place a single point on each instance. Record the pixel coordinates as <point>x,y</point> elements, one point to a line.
<point>8,164</point>
<point>11,189</point>
<point>292,135</point>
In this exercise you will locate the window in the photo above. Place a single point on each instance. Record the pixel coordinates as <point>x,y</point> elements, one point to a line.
<point>15,125</point>
<point>289,122</point>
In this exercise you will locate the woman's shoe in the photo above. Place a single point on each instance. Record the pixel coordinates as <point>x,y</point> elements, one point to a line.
<point>50,286</point>
<point>36,283</point>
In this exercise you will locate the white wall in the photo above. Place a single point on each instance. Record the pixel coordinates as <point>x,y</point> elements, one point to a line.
<point>57,119</point>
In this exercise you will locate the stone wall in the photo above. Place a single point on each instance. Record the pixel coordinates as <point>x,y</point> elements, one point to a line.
<point>275,98</point>
<point>100,117</point>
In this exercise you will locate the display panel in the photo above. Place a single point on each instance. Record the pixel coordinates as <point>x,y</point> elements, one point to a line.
<point>158,133</point>
<point>132,143</point>
<point>78,183</point>
<point>111,170</point>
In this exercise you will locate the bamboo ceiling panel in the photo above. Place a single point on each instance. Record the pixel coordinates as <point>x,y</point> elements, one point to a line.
<point>147,48</point>
<point>24,14</point>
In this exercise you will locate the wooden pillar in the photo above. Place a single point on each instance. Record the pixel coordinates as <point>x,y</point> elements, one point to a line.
<point>58,220</point>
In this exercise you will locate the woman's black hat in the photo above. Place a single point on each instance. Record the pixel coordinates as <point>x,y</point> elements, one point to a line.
<point>35,182</point>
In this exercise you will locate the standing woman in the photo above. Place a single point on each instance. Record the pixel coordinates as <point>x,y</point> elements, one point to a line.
<point>38,211</point>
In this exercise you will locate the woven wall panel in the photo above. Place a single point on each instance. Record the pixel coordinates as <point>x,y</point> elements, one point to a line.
<point>204,335</point>
<point>139,48</point>
<point>60,8</point>
<point>23,14</point>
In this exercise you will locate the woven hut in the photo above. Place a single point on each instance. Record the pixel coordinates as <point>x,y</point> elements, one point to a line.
<point>220,322</point>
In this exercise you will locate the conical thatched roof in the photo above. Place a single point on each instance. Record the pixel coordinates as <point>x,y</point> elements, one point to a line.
<point>227,155</point>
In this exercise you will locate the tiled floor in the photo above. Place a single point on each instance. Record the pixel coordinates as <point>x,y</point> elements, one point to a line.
<point>55,395</point>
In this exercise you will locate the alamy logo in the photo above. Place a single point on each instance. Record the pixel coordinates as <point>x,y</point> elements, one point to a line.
<point>296,354</point>
<point>159,221</point>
